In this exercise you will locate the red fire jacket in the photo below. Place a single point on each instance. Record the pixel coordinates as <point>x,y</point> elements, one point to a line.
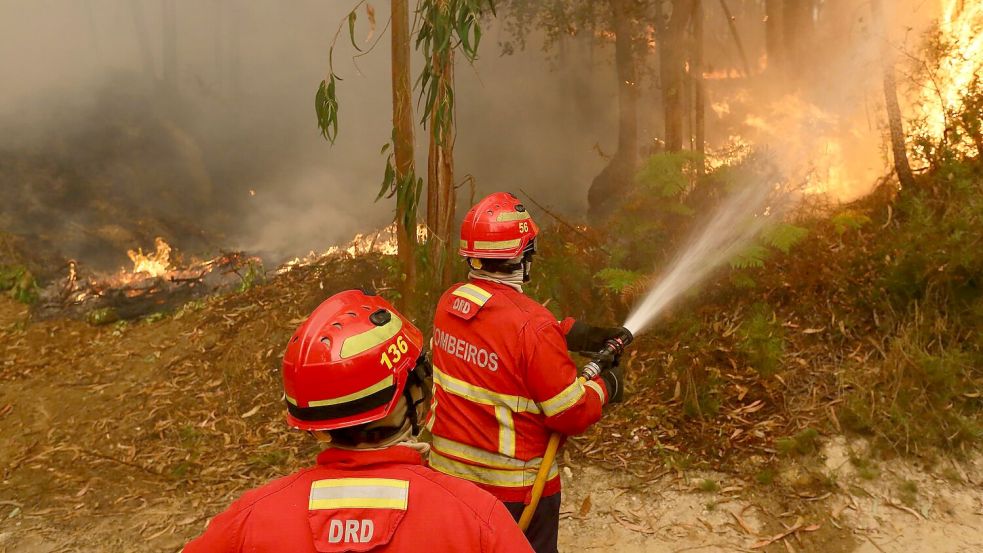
<point>383,500</point>
<point>503,383</point>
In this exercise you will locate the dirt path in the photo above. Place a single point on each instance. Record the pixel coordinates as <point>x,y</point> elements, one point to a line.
<point>129,438</point>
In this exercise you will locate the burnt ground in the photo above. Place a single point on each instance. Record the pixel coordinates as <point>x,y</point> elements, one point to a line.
<point>131,436</point>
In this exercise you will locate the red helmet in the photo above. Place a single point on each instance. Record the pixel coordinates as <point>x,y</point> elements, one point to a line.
<point>497,227</point>
<point>349,362</point>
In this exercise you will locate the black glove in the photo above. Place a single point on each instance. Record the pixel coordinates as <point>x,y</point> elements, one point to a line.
<point>614,381</point>
<point>584,337</point>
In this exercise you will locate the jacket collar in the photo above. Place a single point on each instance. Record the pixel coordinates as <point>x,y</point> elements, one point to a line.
<point>355,458</point>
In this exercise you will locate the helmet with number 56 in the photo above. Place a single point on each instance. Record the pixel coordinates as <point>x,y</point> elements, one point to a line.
<point>349,364</point>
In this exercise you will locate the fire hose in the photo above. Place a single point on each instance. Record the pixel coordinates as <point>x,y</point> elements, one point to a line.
<point>613,347</point>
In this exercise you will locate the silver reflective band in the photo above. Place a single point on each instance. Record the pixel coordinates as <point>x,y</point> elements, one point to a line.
<point>359,493</point>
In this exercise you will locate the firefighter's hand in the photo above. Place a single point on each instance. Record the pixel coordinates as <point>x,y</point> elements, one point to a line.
<point>587,338</point>
<point>614,381</point>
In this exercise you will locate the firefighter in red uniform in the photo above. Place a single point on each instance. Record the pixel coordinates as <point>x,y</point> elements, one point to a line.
<point>353,376</point>
<point>503,378</point>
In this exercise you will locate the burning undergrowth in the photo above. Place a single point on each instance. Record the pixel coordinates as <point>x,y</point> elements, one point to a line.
<point>156,284</point>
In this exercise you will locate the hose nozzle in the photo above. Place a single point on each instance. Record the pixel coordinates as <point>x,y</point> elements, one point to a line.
<point>613,347</point>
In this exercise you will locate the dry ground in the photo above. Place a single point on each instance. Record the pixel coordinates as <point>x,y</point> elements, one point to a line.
<point>129,437</point>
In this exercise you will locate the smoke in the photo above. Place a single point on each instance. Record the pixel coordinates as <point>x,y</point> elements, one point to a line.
<point>113,131</point>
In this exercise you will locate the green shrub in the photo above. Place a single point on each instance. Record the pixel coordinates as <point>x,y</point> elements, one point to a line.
<point>18,281</point>
<point>804,442</point>
<point>761,340</point>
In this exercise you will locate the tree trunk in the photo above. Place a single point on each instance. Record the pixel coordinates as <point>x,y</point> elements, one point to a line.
<point>624,57</point>
<point>774,43</point>
<point>797,33</point>
<point>671,71</point>
<point>894,118</point>
<point>441,194</point>
<point>700,119</point>
<point>403,152</point>
<point>613,181</point>
<point>732,25</point>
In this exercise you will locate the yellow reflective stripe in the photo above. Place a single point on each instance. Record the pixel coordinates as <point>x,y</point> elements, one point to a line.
<point>486,475</point>
<point>499,245</point>
<point>290,400</point>
<point>506,431</point>
<point>359,493</point>
<point>512,216</point>
<point>458,387</point>
<point>473,293</point>
<point>563,400</point>
<point>381,385</point>
<point>369,339</point>
<point>597,388</point>
<point>480,456</point>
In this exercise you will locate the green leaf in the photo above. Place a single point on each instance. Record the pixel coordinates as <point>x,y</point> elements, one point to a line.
<point>617,280</point>
<point>326,109</point>
<point>352,16</point>
<point>752,256</point>
<point>849,220</point>
<point>783,236</point>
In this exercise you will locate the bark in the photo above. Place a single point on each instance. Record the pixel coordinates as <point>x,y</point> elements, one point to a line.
<point>441,194</point>
<point>403,150</point>
<point>699,116</point>
<point>671,71</point>
<point>895,121</point>
<point>774,42</point>
<point>613,181</point>
<point>624,57</point>
<point>797,33</point>
<point>737,37</point>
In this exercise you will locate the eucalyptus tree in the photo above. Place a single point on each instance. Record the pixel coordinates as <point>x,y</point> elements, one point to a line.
<point>442,28</point>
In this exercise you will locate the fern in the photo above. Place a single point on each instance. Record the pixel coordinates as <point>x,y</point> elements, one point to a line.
<point>783,236</point>
<point>752,256</point>
<point>848,220</point>
<point>617,280</point>
<point>669,175</point>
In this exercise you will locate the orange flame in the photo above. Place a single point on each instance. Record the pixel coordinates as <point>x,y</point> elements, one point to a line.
<point>154,264</point>
<point>961,25</point>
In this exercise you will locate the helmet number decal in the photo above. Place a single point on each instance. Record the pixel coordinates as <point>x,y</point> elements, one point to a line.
<point>394,352</point>
<point>523,226</point>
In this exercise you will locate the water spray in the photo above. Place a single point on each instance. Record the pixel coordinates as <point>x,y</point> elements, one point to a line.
<point>731,229</point>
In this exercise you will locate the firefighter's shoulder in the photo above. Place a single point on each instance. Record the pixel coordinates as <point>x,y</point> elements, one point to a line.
<point>270,492</point>
<point>466,299</point>
<point>455,494</point>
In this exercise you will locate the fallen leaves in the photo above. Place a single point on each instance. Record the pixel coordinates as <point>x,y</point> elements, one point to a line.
<point>797,527</point>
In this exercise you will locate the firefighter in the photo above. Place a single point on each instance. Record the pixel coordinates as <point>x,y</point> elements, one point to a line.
<point>503,380</point>
<point>353,377</point>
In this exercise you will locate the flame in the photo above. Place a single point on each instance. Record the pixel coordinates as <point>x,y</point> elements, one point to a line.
<point>961,26</point>
<point>383,241</point>
<point>154,264</point>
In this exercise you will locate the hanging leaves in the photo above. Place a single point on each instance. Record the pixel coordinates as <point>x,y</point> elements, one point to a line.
<point>446,26</point>
<point>326,108</point>
<point>326,98</point>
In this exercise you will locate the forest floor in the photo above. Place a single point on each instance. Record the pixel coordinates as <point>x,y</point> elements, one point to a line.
<point>129,437</point>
